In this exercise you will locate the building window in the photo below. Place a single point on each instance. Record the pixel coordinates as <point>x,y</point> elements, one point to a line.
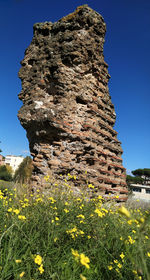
<point>148,191</point>
<point>136,190</point>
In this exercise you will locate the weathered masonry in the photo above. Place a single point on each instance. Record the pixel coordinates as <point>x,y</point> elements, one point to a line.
<point>67,110</point>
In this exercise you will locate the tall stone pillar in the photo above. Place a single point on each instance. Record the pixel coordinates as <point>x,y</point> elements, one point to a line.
<point>67,110</point>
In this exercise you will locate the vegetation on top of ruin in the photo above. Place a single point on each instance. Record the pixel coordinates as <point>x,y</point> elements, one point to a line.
<point>72,15</point>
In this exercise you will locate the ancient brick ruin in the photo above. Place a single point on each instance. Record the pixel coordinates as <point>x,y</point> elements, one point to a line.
<point>67,110</point>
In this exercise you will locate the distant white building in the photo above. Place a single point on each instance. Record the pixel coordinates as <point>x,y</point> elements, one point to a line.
<point>140,191</point>
<point>13,161</point>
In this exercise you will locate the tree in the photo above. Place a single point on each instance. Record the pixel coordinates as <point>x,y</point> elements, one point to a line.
<point>24,171</point>
<point>134,180</point>
<point>137,172</point>
<point>9,169</point>
<point>143,173</point>
<point>5,174</point>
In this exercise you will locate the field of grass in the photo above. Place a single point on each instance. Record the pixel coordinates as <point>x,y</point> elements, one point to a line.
<point>61,236</point>
<point>5,184</point>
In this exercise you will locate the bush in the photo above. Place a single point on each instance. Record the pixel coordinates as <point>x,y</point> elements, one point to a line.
<point>24,171</point>
<point>5,174</point>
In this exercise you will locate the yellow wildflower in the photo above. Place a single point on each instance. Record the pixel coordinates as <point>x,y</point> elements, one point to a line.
<point>130,222</point>
<point>66,210</point>
<point>41,269</point>
<point>142,220</point>
<point>38,260</point>
<point>81,216</point>
<point>10,210</point>
<point>46,178</point>
<point>110,267</point>
<point>66,203</point>
<point>22,274</point>
<point>52,200</point>
<point>90,186</point>
<point>89,237</point>
<point>82,277</point>
<point>39,199</point>
<point>148,254</point>
<point>105,210</point>
<point>20,217</point>
<point>130,240</point>
<point>16,211</point>
<point>119,265</point>
<point>18,261</point>
<point>122,255</point>
<point>84,260</point>
<point>55,239</point>
<point>122,210</point>
<point>99,213</point>
<point>75,254</point>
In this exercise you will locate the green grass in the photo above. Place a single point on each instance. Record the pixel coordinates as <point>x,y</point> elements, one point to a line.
<point>5,184</point>
<point>38,241</point>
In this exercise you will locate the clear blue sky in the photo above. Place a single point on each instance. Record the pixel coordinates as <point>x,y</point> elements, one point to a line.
<point>126,50</point>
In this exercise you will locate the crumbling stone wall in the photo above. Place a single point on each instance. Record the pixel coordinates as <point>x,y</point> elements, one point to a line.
<point>67,110</point>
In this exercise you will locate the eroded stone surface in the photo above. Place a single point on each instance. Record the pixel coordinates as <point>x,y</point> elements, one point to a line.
<point>67,110</point>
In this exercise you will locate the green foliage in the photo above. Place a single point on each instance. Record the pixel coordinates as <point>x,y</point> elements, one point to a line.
<point>5,174</point>
<point>44,237</point>
<point>138,172</point>
<point>6,185</point>
<point>144,173</point>
<point>24,171</point>
<point>134,180</point>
